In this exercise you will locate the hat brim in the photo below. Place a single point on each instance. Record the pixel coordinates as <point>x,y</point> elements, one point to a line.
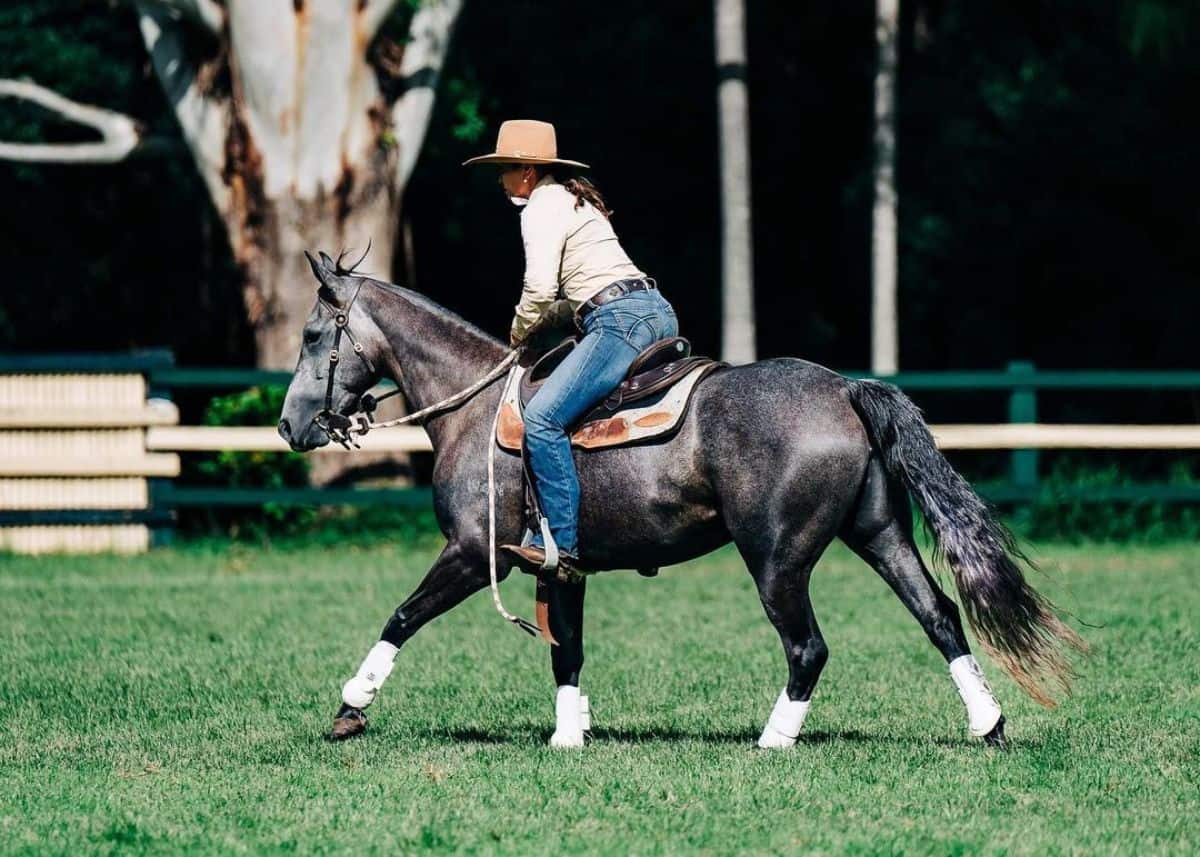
<point>497,158</point>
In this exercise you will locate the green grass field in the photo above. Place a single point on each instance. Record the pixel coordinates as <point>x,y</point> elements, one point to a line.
<point>174,702</point>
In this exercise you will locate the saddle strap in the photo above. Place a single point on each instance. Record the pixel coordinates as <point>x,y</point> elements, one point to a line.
<point>541,610</point>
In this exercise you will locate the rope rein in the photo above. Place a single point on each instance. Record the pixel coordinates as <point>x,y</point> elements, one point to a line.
<point>450,401</point>
<point>362,424</point>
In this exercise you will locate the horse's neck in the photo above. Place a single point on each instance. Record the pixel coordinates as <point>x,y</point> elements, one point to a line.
<point>434,353</point>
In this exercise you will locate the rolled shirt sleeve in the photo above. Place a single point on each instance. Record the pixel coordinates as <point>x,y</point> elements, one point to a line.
<point>544,232</point>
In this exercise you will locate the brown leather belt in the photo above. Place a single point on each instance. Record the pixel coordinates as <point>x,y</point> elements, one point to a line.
<point>610,293</point>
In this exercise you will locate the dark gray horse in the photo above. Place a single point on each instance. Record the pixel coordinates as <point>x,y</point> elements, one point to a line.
<point>780,456</point>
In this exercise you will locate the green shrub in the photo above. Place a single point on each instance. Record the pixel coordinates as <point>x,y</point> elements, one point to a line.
<point>257,406</point>
<point>1061,516</point>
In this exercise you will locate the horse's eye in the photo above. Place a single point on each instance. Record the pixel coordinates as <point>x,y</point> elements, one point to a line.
<point>311,336</point>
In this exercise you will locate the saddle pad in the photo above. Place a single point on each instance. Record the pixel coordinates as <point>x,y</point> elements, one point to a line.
<point>647,418</point>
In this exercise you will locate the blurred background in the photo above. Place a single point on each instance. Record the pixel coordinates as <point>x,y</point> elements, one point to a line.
<point>1043,172</point>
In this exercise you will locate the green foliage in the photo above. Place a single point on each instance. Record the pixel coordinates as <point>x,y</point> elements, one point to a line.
<point>1060,515</point>
<point>466,99</point>
<point>257,406</point>
<point>184,709</point>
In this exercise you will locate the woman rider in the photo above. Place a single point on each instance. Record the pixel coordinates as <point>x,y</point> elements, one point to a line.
<point>570,249</point>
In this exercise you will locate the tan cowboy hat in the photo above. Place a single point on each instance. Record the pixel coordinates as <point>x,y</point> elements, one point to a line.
<point>525,141</point>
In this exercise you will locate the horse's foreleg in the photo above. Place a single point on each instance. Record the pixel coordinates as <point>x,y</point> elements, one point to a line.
<point>451,579</point>
<point>566,659</point>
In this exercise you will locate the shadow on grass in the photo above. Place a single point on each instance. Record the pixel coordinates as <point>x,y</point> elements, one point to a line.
<point>521,733</point>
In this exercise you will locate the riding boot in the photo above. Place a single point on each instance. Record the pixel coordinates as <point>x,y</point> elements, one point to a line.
<point>532,558</point>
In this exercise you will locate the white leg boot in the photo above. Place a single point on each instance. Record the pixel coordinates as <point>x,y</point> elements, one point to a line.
<point>783,726</point>
<point>569,718</point>
<point>983,711</point>
<point>361,690</point>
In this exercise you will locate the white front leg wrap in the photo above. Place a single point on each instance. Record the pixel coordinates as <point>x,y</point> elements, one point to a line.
<point>569,717</point>
<point>783,726</point>
<point>360,691</point>
<point>983,711</point>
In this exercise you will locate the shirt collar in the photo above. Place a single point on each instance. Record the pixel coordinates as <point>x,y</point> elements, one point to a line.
<point>544,182</point>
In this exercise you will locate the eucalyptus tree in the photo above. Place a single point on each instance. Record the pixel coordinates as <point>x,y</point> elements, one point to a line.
<point>304,121</point>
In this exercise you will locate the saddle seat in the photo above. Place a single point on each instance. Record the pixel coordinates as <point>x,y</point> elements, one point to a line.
<point>649,402</point>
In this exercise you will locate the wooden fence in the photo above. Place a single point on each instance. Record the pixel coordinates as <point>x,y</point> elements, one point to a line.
<point>92,441</point>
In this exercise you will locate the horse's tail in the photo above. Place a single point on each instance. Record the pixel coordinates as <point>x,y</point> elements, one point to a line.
<point>1017,626</point>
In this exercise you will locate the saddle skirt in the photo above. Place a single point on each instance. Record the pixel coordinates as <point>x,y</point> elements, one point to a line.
<point>649,403</point>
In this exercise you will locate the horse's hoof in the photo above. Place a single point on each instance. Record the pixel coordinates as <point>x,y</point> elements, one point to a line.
<point>348,723</point>
<point>566,740</point>
<point>996,738</point>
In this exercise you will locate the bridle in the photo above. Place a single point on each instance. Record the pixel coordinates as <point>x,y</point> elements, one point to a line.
<point>339,427</point>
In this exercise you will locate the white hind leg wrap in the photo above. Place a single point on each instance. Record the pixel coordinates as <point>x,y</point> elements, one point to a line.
<point>783,726</point>
<point>983,711</point>
<point>360,691</point>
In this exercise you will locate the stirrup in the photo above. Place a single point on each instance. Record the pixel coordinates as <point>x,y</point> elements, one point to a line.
<point>548,545</point>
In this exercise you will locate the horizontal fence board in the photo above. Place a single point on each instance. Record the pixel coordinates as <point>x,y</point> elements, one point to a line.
<point>94,493</point>
<point>420,496</point>
<point>1046,436</point>
<point>157,412</point>
<point>120,538</point>
<point>964,381</point>
<point>146,464</point>
<point>97,392</point>
<point>949,437</point>
<point>266,439</point>
<point>1082,379</point>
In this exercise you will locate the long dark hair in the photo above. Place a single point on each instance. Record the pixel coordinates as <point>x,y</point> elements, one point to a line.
<point>584,190</point>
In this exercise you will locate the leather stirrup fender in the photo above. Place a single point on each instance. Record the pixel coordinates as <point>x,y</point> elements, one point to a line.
<point>541,609</point>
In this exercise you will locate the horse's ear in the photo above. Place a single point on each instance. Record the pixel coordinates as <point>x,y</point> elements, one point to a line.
<point>322,270</point>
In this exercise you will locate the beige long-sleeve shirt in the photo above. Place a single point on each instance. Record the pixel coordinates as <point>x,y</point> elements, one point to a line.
<point>571,248</point>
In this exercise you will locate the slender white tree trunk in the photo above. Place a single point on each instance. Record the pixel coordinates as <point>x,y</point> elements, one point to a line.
<point>737,245</point>
<point>885,338</point>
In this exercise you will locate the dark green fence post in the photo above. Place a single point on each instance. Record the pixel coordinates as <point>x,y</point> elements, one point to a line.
<point>1022,408</point>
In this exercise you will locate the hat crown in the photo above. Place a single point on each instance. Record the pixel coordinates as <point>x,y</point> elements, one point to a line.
<point>527,138</point>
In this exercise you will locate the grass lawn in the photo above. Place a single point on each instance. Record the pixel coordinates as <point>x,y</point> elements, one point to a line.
<point>174,702</point>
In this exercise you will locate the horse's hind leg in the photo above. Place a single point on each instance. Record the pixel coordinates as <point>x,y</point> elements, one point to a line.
<point>566,659</point>
<point>881,533</point>
<point>782,576</point>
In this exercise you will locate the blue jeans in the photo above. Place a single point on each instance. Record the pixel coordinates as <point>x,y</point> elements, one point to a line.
<point>614,334</point>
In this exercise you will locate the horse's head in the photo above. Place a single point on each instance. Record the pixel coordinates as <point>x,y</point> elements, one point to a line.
<point>340,355</point>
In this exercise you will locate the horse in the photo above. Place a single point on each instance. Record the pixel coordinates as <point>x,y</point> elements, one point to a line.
<point>779,456</point>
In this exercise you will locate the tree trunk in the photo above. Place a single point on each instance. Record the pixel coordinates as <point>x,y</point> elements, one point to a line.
<point>279,288</point>
<point>885,338</point>
<point>737,244</point>
<point>281,105</point>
